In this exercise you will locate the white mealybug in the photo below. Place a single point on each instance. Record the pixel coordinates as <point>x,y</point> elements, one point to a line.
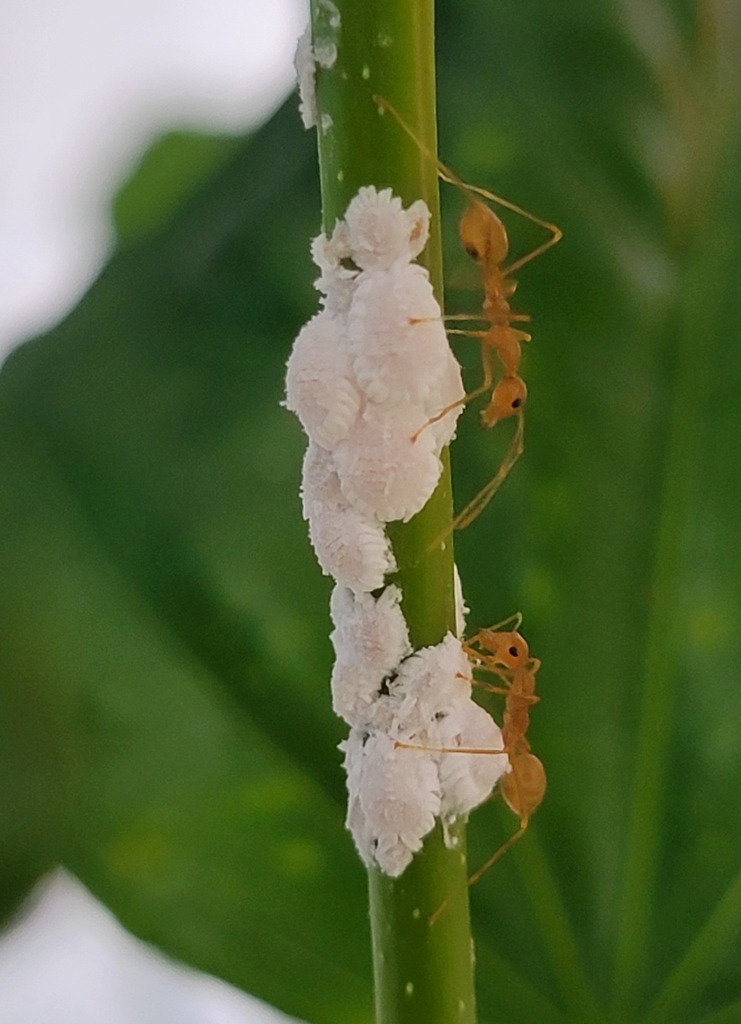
<point>323,53</point>
<point>370,638</point>
<point>381,232</point>
<point>368,377</point>
<point>426,688</point>
<point>394,798</point>
<point>382,471</point>
<point>350,546</point>
<point>396,338</point>
<point>336,281</point>
<point>461,608</point>
<point>466,780</point>
<point>320,388</point>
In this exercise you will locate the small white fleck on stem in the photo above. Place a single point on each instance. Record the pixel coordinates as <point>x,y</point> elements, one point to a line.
<point>321,53</point>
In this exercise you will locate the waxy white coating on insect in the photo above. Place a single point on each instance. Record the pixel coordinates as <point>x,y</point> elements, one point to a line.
<point>394,798</point>
<point>427,687</point>
<point>370,630</point>
<point>320,485</point>
<point>395,793</point>
<point>350,546</point>
<point>366,373</point>
<point>397,341</point>
<point>381,231</point>
<point>365,376</point>
<point>324,54</point>
<point>382,471</point>
<point>370,638</point>
<point>336,281</point>
<point>466,780</point>
<point>320,388</point>
<point>461,608</point>
<point>303,62</point>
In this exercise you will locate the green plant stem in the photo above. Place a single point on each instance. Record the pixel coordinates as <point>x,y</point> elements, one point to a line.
<point>423,972</point>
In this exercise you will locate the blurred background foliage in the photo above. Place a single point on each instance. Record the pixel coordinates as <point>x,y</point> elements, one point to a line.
<point>166,729</point>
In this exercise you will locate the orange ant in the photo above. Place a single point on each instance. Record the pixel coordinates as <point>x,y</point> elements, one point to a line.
<point>485,239</point>
<point>505,654</point>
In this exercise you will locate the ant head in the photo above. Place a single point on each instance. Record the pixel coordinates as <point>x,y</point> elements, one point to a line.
<point>483,235</point>
<point>507,647</point>
<point>507,398</point>
<point>512,650</point>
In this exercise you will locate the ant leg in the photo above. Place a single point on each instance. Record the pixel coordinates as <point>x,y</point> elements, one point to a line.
<point>524,700</point>
<point>450,317</point>
<point>449,408</point>
<point>478,874</point>
<point>476,506</point>
<point>503,690</point>
<point>446,174</point>
<point>500,852</point>
<point>534,253</point>
<point>515,619</point>
<point>486,386</point>
<point>460,333</point>
<point>524,318</point>
<point>400,745</point>
<point>484,663</point>
<point>556,232</point>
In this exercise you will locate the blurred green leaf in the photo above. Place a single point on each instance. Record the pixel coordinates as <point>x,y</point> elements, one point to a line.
<point>166,723</point>
<point>170,171</point>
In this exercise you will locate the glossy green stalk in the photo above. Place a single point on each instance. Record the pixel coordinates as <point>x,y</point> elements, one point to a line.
<point>423,971</point>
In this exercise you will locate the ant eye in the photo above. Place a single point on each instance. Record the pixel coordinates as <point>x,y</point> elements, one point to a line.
<point>514,652</point>
<point>517,403</point>
<point>473,253</point>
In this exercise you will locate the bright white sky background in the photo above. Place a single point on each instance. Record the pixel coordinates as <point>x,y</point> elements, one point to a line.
<point>85,85</point>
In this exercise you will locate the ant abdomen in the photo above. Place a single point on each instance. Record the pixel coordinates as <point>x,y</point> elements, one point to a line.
<point>524,787</point>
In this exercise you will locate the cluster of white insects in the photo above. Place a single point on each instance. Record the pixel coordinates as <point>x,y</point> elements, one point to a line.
<point>378,392</point>
<point>354,381</point>
<point>366,373</point>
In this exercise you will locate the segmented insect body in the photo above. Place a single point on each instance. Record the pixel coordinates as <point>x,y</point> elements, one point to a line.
<point>485,239</point>
<point>505,654</point>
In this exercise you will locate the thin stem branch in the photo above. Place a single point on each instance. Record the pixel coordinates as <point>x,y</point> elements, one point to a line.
<point>423,972</point>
